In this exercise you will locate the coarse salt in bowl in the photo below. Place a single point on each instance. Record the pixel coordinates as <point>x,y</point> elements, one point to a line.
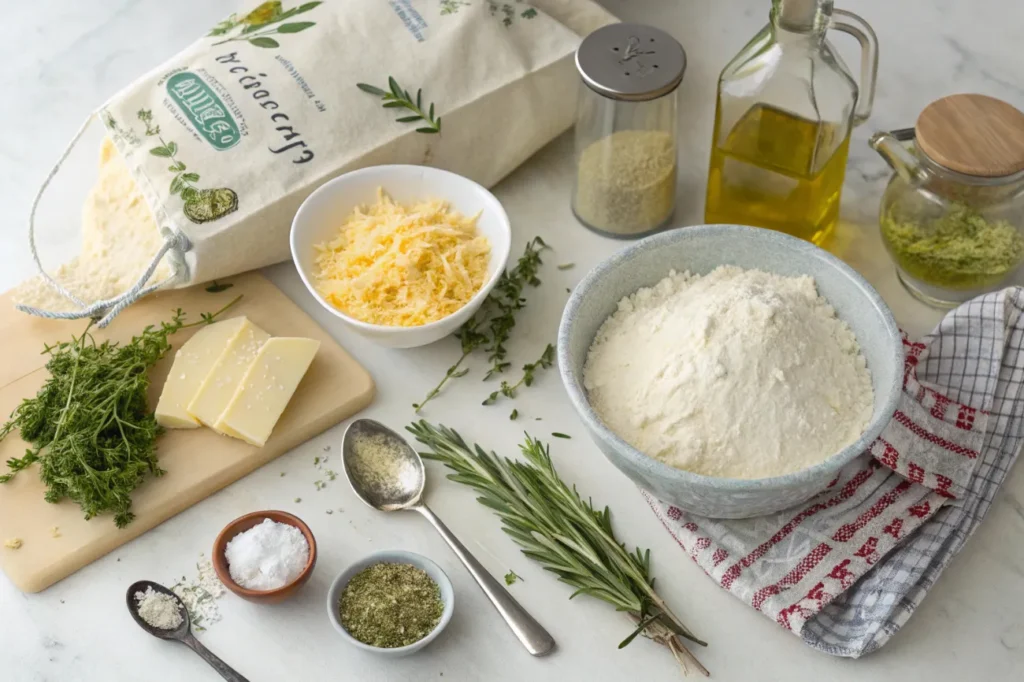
<point>243,523</point>
<point>323,212</point>
<point>267,556</point>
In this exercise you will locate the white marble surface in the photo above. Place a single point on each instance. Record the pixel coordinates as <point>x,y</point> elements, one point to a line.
<point>61,59</point>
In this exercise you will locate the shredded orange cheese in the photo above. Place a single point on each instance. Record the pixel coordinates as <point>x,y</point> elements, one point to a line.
<point>403,266</point>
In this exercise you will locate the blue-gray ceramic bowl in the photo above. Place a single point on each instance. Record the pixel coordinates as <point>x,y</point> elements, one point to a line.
<point>701,249</point>
<point>394,556</point>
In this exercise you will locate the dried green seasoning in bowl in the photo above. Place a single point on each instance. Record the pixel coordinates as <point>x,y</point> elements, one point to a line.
<point>390,605</point>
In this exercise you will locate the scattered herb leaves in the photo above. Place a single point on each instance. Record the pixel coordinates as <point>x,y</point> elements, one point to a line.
<point>89,427</point>
<point>508,390</point>
<point>514,415</point>
<point>397,98</point>
<point>491,326</point>
<point>511,578</point>
<point>566,266</point>
<point>556,434</point>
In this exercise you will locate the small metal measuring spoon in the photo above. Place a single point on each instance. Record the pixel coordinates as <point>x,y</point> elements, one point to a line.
<point>182,633</point>
<point>394,481</point>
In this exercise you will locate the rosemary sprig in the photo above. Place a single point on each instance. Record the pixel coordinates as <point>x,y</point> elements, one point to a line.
<point>89,426</point>
<point>546,359</point>
<point>480,330</point>
<point>557,528</point>
<point>397,98</point>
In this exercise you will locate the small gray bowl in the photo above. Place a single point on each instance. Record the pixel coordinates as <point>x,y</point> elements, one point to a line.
<point>701,249</point>
<point>394,556</point>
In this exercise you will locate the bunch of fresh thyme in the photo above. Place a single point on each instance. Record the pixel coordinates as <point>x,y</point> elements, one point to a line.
<point>563,532</point>
<point>89,426</point>
<point>491,326</point>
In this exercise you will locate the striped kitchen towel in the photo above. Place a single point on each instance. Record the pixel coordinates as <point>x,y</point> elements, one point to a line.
<point>845,570</point>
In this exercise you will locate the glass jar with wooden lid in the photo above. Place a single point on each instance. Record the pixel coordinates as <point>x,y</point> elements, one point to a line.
<point>952,216</point>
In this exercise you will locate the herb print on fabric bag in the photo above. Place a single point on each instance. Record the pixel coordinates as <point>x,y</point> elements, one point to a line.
<point>201,205</point>
<point>254,24</point>
<point>506,10</point>
<point>125,135</point>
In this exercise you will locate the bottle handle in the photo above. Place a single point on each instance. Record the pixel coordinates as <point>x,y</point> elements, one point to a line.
<point>850,23</point>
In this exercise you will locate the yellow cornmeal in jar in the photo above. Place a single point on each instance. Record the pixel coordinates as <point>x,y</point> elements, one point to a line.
<point>402,266</point>
<point>626,182</point>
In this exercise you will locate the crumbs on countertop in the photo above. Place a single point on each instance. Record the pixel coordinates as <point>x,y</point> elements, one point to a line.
<point>13,543</point>
<point>200,594</point>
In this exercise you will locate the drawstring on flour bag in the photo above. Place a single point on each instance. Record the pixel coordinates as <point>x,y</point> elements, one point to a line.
<point>104,310</point>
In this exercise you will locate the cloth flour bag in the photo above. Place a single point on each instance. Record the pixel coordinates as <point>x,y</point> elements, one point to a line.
<point>217,147</point>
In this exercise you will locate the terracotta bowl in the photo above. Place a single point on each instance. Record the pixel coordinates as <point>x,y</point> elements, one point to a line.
<point>244,523</point>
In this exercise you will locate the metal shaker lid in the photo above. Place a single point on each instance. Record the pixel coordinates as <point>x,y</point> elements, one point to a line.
<point>631,62</point>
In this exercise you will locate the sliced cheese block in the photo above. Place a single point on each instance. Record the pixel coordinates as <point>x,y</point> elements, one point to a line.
<point>192,363</point>
<point>266,389</point>
<point>226,375</point>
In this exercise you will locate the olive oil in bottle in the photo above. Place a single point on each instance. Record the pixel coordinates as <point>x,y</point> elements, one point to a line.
<point>769,172</point>
<point>786,105</point>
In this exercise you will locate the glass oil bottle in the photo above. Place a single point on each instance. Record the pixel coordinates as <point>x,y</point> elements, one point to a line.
<point>786,106</point>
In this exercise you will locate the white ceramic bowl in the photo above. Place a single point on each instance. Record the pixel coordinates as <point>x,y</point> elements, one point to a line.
<point>396,556</point>
<point>322,213</point>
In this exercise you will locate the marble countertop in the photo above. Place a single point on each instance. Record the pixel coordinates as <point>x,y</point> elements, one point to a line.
<point>62,59</point>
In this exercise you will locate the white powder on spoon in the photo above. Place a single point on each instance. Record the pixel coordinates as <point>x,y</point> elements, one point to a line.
<point>738,374</point>
<point>159,610</point>
<point>267,556</point>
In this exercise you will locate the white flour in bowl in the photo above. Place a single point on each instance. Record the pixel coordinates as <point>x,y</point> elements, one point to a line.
<point>738,374</point>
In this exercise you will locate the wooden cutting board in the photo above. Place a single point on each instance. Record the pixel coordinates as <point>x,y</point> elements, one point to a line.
<point>198,461</point>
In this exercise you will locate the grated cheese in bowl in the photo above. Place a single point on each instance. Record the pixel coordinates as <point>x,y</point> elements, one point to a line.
<point>402,266</point>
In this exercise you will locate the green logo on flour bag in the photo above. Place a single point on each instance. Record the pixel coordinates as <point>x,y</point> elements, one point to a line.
<point>201,205</point>
<point>205,109</point>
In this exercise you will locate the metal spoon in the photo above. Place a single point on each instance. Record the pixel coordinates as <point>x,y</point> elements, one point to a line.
<point>182,633</point>
<point>388,475</point>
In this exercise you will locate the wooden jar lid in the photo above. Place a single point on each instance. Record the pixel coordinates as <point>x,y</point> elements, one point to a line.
<point>973,134</point>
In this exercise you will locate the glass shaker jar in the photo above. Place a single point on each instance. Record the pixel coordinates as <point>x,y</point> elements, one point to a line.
<point>952,216</point>
<point>626,130</point>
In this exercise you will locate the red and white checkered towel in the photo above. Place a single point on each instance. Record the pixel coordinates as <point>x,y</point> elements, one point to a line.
<point>846,570</point>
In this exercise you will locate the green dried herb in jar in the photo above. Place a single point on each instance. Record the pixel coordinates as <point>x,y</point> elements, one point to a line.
<point>390,605</point>
<point>958,250</point>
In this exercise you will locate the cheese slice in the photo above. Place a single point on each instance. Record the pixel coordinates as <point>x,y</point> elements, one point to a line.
<point>192,364</point>
<point>267,388</point>
<point>226,374</point>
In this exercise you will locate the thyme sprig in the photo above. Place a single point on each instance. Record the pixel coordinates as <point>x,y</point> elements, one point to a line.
<point>397,98</point>
<point>491,325</point>
<point>546,359</point>
<point>508,299</point>
<point>89,426</point>
<point>564,533</point>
